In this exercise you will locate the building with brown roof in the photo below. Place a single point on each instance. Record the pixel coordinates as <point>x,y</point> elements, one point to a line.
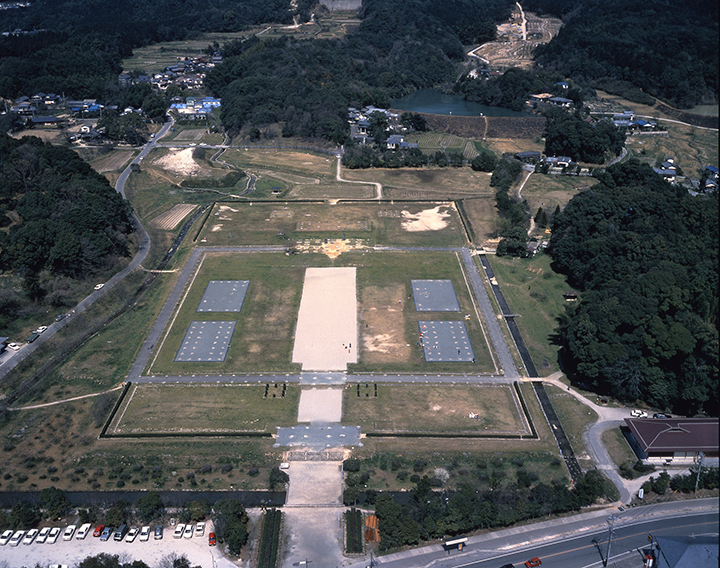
<point>671,439</point>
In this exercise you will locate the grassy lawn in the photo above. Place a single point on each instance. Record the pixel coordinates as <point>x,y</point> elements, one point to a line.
<point>286,223</point>
<point>228,407</point>
<point>549,192</point>
<point>266,323</point>
<point>617,447</point>
<point>574,417</point>
<point>534,291</point>
<point>434,409</point>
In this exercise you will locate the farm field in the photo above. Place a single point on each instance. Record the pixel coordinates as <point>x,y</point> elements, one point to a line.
<point>288,223</point>
<point>112,162</point>
<point>550,191</point>
<point>217,408</point>
<point>437,409</point>
<point>263,336</point>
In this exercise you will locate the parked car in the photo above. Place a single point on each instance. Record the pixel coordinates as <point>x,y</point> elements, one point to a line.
<point>507,566</point>
<point>83,532</point>
<point>41,329</point>
<point>98,286</point>
<point>30,536</point>
<point>60,317</point>
<point>69,532</point>
<point>120,532</point>
<point>639,414</point>
<point>53,536</point>
<point>188,531</point>
<point>132,533</point>
<point>107,531</point>
<point>16,538</point>
<point>179,530</point>
<point>5,537</point>
<point>660,415</point>
<point>533,562</point>
<point>14,346</point>
<point>158,532</point>
<point>99,530</point>
<point>200,529</point>
<point>42,535</point>
<point>211,539</point>
<point>144,533</point>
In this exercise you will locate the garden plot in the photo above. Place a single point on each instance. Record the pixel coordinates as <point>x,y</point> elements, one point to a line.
<point>172,217</point>
<point>223,296</point>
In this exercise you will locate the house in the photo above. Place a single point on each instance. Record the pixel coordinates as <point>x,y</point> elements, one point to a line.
<point>688,551</point>
<point>560,101</point>
<point>671,439</point>
<point>562,84</point>
<point>570,295</point>
<point>669,175</point>
<point>712,171</point>
<point>46,120</point>
<point>397,142</point>
<point>530,156</point>
<point>559,161</point>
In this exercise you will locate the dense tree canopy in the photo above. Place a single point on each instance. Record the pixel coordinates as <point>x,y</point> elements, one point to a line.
<point>646,257</point>
<point>583,140</point>
<point>666,48</point>
<point>63,216</point>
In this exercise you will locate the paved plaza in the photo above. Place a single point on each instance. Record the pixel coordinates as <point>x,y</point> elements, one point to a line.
<point>206,341</point>
<point>434,296</point>
<point>223,296</point>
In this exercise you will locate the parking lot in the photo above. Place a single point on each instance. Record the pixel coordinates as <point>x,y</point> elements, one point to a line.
<point>70,552</point>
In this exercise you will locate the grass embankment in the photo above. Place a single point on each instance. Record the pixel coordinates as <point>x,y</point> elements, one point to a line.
<point>574,417</point>
<point>535,292</point>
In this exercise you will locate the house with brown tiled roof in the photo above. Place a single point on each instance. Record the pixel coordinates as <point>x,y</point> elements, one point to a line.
<point>670,439</point>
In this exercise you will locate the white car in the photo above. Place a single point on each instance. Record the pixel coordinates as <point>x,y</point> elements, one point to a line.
<point>16,538</point>
<point>14,346</point>
<point>144,534</point>
<point>179,530</point>
<point>69,532</point>
<point>53,536</point>
<point>639,414</point>
<point>132,533</point>
<point>188,531</point>
<point>98,286</point>
<point>41,329</point>
<point>42,535</point>
<point>200,529</point>
<point>30,536</point>
<point>5,537</point>
<point>83,532</point>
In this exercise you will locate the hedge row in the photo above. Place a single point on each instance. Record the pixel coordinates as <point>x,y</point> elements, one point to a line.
<point>270,539</point>
<point>353,531</point>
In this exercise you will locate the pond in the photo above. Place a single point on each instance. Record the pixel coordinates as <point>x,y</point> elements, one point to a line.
<point>434,101</point>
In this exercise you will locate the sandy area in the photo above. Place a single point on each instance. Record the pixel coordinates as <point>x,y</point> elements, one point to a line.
<point>313,535</point>
<point>427,220</point>
<point>181,162</point>
<point>326,333</point>
<point>320,405</point>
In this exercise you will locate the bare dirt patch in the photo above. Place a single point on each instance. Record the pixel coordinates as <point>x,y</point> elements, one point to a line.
<point>191,134</point>
<point>182,163</point>
<point>383,334</point>
<point>171,218</point>
<point>320,405</point>
<point>433,219</point>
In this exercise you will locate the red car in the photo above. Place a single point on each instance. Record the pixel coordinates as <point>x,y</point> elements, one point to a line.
<point>211,539</point>
<point>98,530</point>
<point>533,562</point>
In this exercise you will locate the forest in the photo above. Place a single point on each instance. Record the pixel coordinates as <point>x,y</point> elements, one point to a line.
<point>665,49</point>
<point>58,216</point>
<point>645,256</point>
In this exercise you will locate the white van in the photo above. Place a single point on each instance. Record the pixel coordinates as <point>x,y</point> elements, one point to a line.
<point>69,532</point>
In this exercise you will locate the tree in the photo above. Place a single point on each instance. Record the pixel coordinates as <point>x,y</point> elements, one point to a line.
<point>230,521</point>
<point>484,162</point>
<point>24,515</point>
<point>150,506</point>
<point>54,501</point>
<point>117,514</point>
<point>278,478</point>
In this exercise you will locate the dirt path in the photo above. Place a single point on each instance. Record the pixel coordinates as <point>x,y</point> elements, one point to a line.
<point>33,406</point>
<point>378,186</point>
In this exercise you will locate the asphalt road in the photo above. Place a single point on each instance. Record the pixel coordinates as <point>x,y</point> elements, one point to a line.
<point>579,541</point>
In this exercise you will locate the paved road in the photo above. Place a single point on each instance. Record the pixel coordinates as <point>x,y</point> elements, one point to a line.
<point>565,542</point>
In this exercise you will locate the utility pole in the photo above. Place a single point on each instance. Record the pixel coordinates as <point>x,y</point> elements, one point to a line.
<point>701,457</point>
<point>611,519</point>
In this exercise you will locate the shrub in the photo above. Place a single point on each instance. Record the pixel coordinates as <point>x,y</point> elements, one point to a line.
<point>414,478</point>
<point>351,465</point>
<point>253,472</point>
<point>419,466</point>
<point>120,483</point>
<point>402,474</point>
<point>206,468</point>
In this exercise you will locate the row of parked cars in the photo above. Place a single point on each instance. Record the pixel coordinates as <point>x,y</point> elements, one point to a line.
<point>50,535</point>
